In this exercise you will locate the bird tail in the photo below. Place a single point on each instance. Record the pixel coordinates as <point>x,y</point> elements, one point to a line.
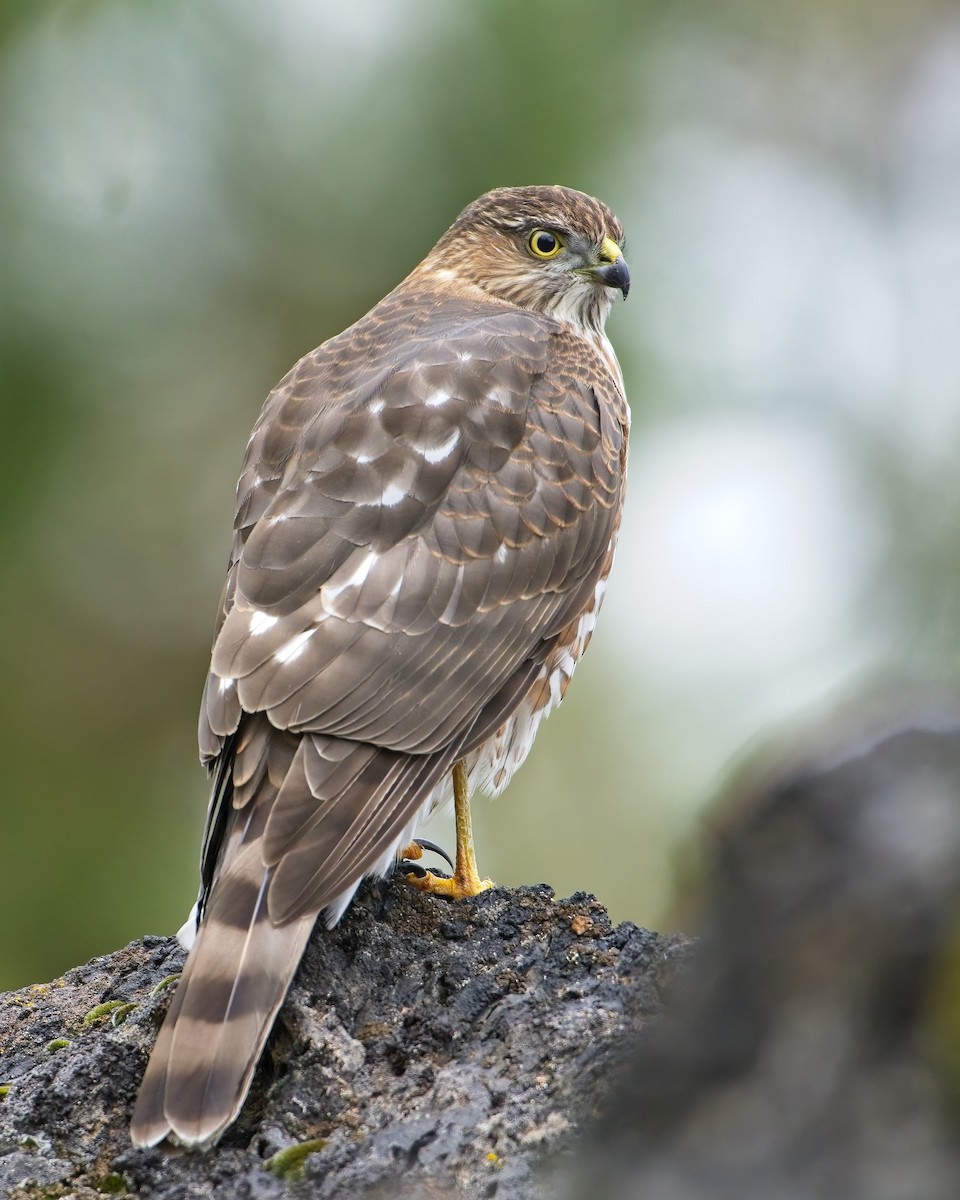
<point>233,983</point>
<point>295,822</point>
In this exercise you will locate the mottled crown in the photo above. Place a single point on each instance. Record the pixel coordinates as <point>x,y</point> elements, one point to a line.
<point>554,207</point>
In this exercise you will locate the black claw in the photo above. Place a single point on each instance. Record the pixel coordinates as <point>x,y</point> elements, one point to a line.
<point>411,868</point>
<point>435,849</point>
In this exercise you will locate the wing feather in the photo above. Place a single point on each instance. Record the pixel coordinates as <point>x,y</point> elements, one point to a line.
<point>421,507</point>
<point>478,543</point>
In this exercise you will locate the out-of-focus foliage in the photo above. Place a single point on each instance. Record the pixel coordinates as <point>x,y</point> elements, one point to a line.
<point>194,194</point>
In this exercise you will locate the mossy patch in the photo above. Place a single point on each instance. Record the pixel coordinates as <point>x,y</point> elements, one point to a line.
<point>116,1010</point>
<point>289,1163</point>
<point>164,984</point>
<point>111,1185</point>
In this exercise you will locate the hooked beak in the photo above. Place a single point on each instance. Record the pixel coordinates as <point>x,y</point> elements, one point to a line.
<point>612,270</point>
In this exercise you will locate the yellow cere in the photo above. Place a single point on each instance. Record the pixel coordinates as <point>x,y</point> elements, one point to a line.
<point>610,251</point>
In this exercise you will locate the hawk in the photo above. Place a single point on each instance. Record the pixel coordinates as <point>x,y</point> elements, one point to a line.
<point>426,518</point>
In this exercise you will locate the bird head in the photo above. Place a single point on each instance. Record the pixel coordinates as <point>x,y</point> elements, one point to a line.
<point>546,249</point>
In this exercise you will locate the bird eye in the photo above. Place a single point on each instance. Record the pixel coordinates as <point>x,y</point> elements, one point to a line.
<point>545,244</point>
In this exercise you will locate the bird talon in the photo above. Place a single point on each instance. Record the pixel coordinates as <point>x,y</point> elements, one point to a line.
<point>410,855</point>
<point>453,887</point>
<point>416,848</point>
<point>465,880</point>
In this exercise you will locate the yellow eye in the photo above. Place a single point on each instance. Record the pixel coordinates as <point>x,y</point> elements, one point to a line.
<point>545,244</point>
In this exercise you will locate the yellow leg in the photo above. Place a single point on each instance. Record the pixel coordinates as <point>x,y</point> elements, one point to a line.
<point>465,880</point>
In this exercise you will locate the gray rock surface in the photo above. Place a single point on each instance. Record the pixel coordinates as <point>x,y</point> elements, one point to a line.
<point>518,1048</point>
<point>426,1048</point>
<point>813,1051</point>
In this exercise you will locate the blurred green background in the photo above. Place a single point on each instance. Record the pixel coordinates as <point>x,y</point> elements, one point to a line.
<point>193,194</point>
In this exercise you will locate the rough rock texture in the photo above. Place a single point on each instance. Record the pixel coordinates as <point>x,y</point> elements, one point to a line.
<point>808,1050</point>
<point>425,1047</point>
<point>813,1051</point>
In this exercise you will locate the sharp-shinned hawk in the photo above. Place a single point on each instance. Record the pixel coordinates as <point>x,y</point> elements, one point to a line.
<point>426,518</point>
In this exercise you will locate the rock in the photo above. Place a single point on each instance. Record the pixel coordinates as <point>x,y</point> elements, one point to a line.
<point>425,1048</point>
<point>813,1050</point>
